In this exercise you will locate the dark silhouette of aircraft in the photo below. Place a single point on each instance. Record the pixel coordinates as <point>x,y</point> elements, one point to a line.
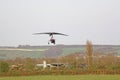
<point>52,40</point>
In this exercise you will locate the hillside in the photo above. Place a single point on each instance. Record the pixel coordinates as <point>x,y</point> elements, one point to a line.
<point>53,51</point>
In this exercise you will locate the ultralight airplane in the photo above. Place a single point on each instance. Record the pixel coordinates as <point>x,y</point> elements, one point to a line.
<point>52,40</point>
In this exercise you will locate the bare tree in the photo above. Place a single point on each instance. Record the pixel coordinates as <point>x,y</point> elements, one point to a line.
<point>89,52</point>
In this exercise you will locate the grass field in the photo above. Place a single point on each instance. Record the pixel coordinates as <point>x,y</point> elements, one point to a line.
<point>67,51</point>
<point>12,53</point>
<point>64,77</point>
<point>24,53</point>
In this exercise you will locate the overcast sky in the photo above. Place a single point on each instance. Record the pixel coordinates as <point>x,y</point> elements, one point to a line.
<point>94,20</point>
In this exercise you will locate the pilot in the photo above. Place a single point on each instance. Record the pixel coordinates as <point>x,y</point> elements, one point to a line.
<point>52,40</point>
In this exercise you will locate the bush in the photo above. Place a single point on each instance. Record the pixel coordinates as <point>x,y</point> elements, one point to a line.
<point>4,67</point>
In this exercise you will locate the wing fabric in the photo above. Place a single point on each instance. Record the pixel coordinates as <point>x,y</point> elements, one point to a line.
<point>50,33</point>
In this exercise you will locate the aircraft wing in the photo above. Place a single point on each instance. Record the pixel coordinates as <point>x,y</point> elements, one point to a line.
<point>50,33</point>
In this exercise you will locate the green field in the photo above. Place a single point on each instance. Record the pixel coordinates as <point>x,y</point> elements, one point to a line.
<point>64,77</point>
<point>13,53</point>
<point>67,51</point>
<point>24,53</point>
